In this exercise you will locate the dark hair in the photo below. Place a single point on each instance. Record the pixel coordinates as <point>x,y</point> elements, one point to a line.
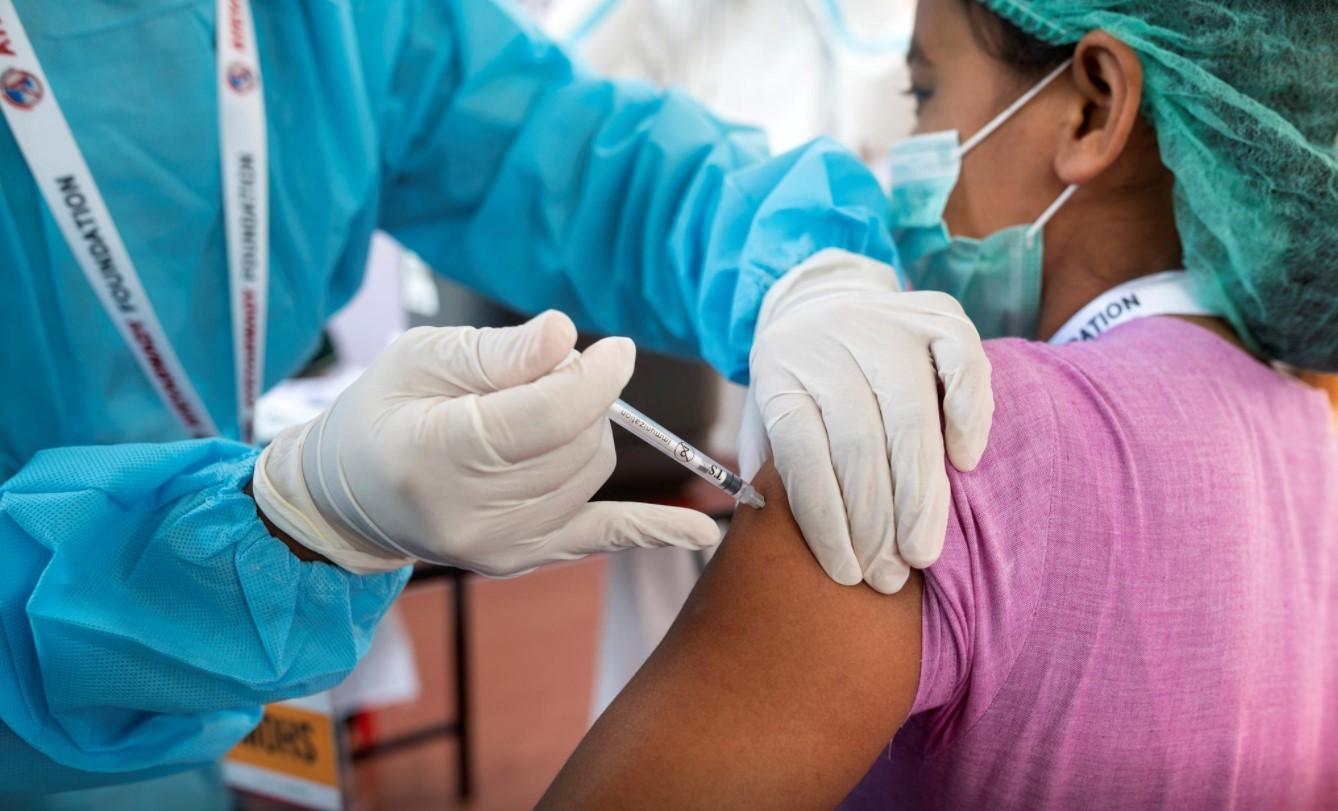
<point>1012,46</point>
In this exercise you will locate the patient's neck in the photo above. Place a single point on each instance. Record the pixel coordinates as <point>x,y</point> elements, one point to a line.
<point>1099,243</point>
<point>1099,250</point>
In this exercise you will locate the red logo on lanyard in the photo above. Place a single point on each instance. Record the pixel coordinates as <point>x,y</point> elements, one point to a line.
<point>241,79</point>
<point>21,89</point>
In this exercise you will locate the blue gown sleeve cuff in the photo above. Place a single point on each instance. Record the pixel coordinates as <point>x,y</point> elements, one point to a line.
<point>148,613</point>
<point>772,218</point>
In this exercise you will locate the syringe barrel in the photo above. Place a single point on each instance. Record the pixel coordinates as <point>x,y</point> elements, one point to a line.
<point>675,447</point>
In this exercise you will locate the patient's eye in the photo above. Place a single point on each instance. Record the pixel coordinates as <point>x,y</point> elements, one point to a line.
<point>920,94</point>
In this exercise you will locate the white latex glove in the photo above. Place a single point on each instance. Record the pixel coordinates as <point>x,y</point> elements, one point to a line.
<point>845,372</point>
<point>470,448</point>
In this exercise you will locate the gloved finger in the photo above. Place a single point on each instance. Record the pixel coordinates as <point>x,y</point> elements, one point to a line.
<point>546,492</point>
<point>887,573</point>
<point>456,361</point>
<point>968,399</point>
<point>565,478</point>
<point>526,421</point>
<point>854,426</point>
<point>610,526</point>
<point>915,448</point>
<point>804,460</point>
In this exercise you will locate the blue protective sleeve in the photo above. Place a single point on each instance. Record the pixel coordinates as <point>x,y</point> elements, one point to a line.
<point>146,614</point>
<point>522,175</point>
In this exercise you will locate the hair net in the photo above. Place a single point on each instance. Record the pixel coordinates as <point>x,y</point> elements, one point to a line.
<point>1244,97</point>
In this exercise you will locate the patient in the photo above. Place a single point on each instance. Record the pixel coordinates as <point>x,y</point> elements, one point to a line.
<point>1137,604</point>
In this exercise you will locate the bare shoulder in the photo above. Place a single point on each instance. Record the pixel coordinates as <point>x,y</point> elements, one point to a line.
<point>775,682</point>
<point>765,594</point>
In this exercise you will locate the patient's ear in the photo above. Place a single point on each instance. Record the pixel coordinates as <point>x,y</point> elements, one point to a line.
<point>1108,78</point>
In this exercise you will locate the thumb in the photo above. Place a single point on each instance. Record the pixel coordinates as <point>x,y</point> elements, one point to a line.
<point>455,361</point>
<point>754,447</point>
<point>519,355</point>
<point>610,526</point>
<point>532,419</point>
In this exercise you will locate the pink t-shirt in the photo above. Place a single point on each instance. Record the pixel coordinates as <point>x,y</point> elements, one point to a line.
<point>1137,605</point>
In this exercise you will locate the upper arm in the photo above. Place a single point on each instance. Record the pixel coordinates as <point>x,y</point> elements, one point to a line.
<point>775,682</point>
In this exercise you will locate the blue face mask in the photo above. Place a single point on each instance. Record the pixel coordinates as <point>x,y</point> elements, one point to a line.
<point>997,279</point>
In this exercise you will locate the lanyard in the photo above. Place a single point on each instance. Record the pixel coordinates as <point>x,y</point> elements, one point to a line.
<point>1166,293</point>
<point>71,193</point>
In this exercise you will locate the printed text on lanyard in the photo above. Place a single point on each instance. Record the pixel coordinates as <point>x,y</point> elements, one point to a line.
<point>76,203</point>
<point>1168,293</point>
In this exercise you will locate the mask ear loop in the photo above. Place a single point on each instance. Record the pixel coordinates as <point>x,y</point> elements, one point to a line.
<point>1012,110</point>
<point>1050,213</point>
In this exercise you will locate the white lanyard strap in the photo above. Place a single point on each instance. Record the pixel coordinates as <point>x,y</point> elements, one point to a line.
<point>245,151</point>
<point>71,193</point>
<point>1166,293</point>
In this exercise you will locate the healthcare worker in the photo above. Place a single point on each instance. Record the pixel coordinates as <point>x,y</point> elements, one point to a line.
<point>187,193</point>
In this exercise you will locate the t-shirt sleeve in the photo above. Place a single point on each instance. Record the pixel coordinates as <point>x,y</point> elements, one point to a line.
<point>980,597</point>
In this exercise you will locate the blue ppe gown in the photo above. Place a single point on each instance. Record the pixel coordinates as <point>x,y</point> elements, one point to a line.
<point>145,613</point>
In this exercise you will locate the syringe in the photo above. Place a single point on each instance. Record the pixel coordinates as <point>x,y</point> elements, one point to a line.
<point>662,439</point>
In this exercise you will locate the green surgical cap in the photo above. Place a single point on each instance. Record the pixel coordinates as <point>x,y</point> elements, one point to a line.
<point>1244,98</point>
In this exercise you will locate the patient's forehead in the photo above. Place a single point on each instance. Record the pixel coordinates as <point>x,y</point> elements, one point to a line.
<point>943,32</point>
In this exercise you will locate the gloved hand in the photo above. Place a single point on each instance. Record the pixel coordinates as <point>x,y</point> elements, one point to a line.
<point>845,372</point>
<point>472,448</point>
